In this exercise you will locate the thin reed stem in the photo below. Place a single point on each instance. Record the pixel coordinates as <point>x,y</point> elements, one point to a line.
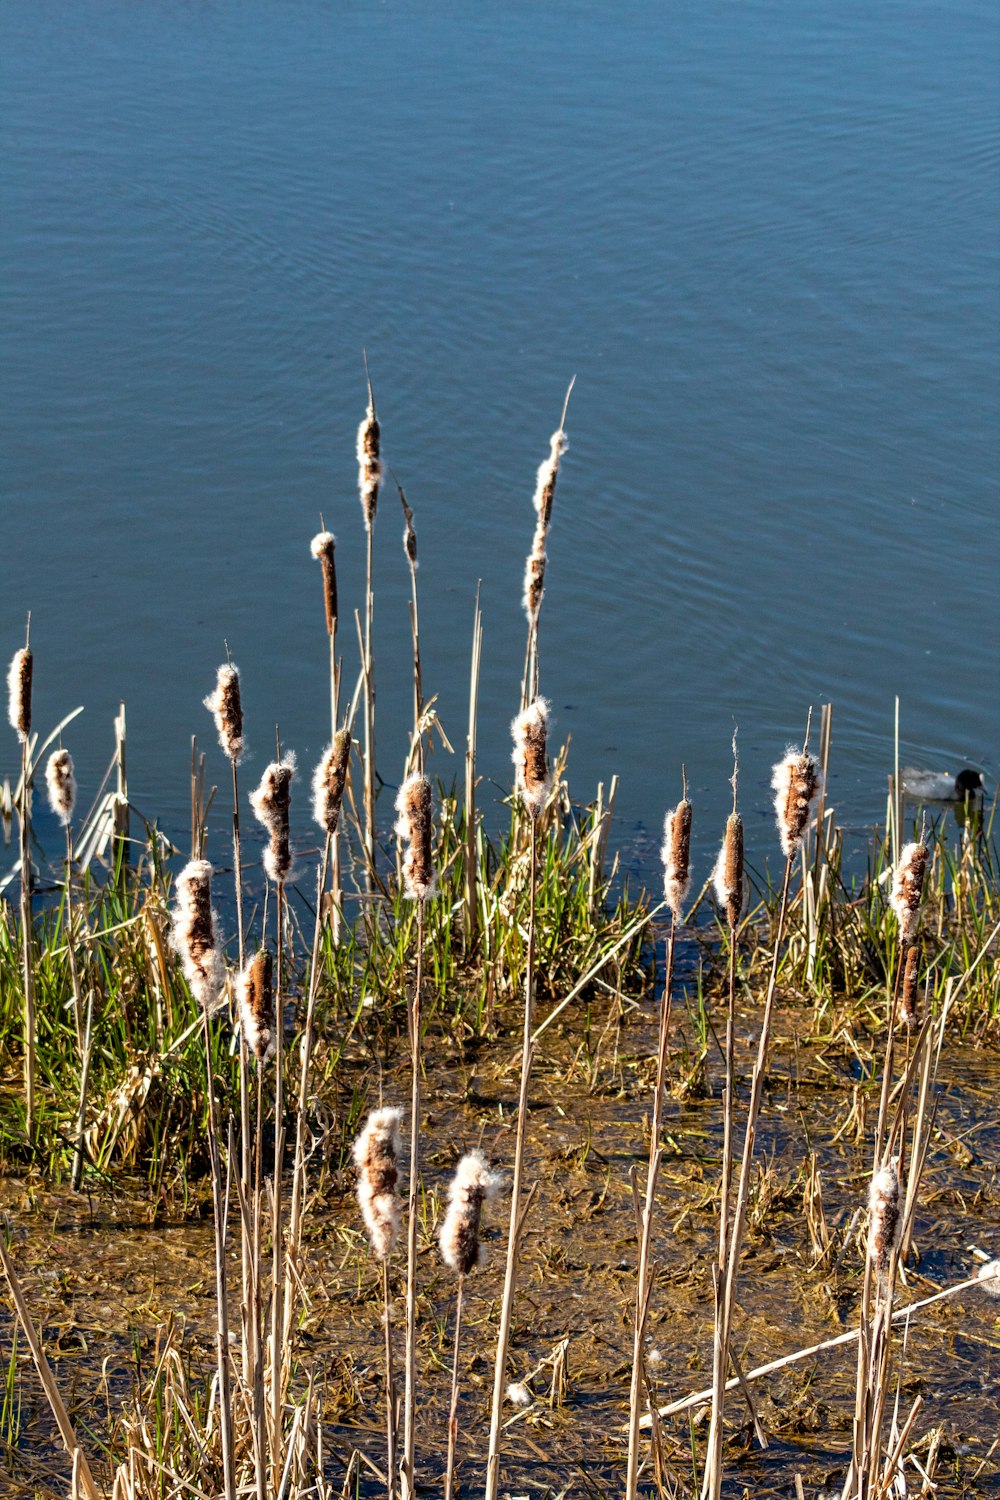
<point>515,1227</point>
<point>449,1473</point>
<point>277,1301</point>
<point>409,1392</point>
<point>713,1466</point>
<point>644,1270</point>
<point>27,926</point>
<point>221,1303</point>
<point>81,1113</point>
<point>390,1388</point>
<point>369,795</point>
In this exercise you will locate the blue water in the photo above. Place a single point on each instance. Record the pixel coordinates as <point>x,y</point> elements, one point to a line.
<point>764,238</point>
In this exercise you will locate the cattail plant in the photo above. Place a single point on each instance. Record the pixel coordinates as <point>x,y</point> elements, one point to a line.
<point>323,548</point>
<point>271,805</point>
<point>19,679</point>
<point>255,1006</point>
<point>907,1011</point>
<point>369,448</point>
<point>472,1186</point>
<point>415,756</point>
<point>329,781</point>
<point>195,937</point>
<point>60,783</point>
<point>796,781</point>
<point>258,1029</point>
<point>376,1156</point>
<point>533,779</point>
<point>884,1224</point>
<point>534,570</point>
<point>908,888</point>
<point>414,830</point>
<point>676,856</point>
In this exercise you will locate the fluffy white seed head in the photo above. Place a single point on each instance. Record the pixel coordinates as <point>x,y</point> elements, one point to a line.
<point>323,548</point>
<point>530,733</point>
<point>545,482</point>
<point>796,782</point>
<point>376,1156</point>
<point>19,692</point>
<point>728,875</point>
<point>908,887</point>
<point>255,1005</point>
<point>989,1275</point>
<point>270,802</point>
<point>413,804</point>
<point>329,781</point>
<point>884,1223</point>
<point>61,785</point>
<point>195,934</point>
<point>676,856</point>
<point>472,1185</point>
<point>226,708</point>
<point>369,464</point>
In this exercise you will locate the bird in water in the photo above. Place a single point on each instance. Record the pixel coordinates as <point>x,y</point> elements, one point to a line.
<point>941,786</point>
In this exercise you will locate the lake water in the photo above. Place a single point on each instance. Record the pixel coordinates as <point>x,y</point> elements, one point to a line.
<point>764,238</point>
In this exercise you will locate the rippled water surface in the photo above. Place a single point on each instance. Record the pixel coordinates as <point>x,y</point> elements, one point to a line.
<point>764,238</point>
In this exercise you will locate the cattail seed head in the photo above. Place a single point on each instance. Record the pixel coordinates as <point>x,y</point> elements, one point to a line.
<point>472,1185</point>
<point>413,803</point>
<point>61,784</point>
<point>19,692</point>
<point>908,888</point>
<point>545,483</point>
<point>369,464</point>
<point>676,856</point>
<point>796,781</point>
<point>534,579</point>
<point>329,780</point>
<point>908,993</point>
<point>255,1002</point>
<point>376,1154</point>
<point>195,935</point>
<point>728,877</point>
<point>322,548</point>
<point>270,803</point>
<point>227,710</point>
<point>533,778</point>
<point>884,1223</point>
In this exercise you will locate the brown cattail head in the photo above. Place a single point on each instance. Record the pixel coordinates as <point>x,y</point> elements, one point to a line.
<point>322,548</point>
<point>227,710</point>
<point>533,779</point>
<point>270,803</point>
<point>19,692</point>
<point>61,784</point>
<point>884,1224</point>
<point>255,1001</point>
<point>908,994</point>
<point>545,484</point>
<point>534,578</point>
<point>728,877</point>
<point>409,534</point>
<point>472,1186</point>
<point>195,935</point>
<point>908,888</point>
<point>376,1154</point>
<point>796,781</point>
<point>413,803</point>
<point>329,780</point>
<point>369,463</point>
<point>676,856</point>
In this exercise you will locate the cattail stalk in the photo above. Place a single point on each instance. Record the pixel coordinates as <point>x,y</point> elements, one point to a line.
<point>369,483</point>
<point>472,1186</point>
<point>534,572</point>
<point>376,1154</point>
<point>323,548</point>
<point>19,679</point>
<point>61,784</point>
<point>471,840</point>
<point>516,1225</point>
<point>195,937</point>
<point>415,758</point>
<point>796,780</point>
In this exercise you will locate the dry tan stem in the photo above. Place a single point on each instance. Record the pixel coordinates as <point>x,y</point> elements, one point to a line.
<point>409,1390</point>
<point>449,1475</point>
<point>390,1388</point>
<point>24,824</point>
<point>644,1275</point>
<point>516,1218</point>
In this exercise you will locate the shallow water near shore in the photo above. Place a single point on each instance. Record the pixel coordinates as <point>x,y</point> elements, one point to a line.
<point>762,238</point>
<point>101,1273</point>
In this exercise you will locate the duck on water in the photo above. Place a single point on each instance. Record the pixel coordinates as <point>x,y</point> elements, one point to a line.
<point>941,786</point>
